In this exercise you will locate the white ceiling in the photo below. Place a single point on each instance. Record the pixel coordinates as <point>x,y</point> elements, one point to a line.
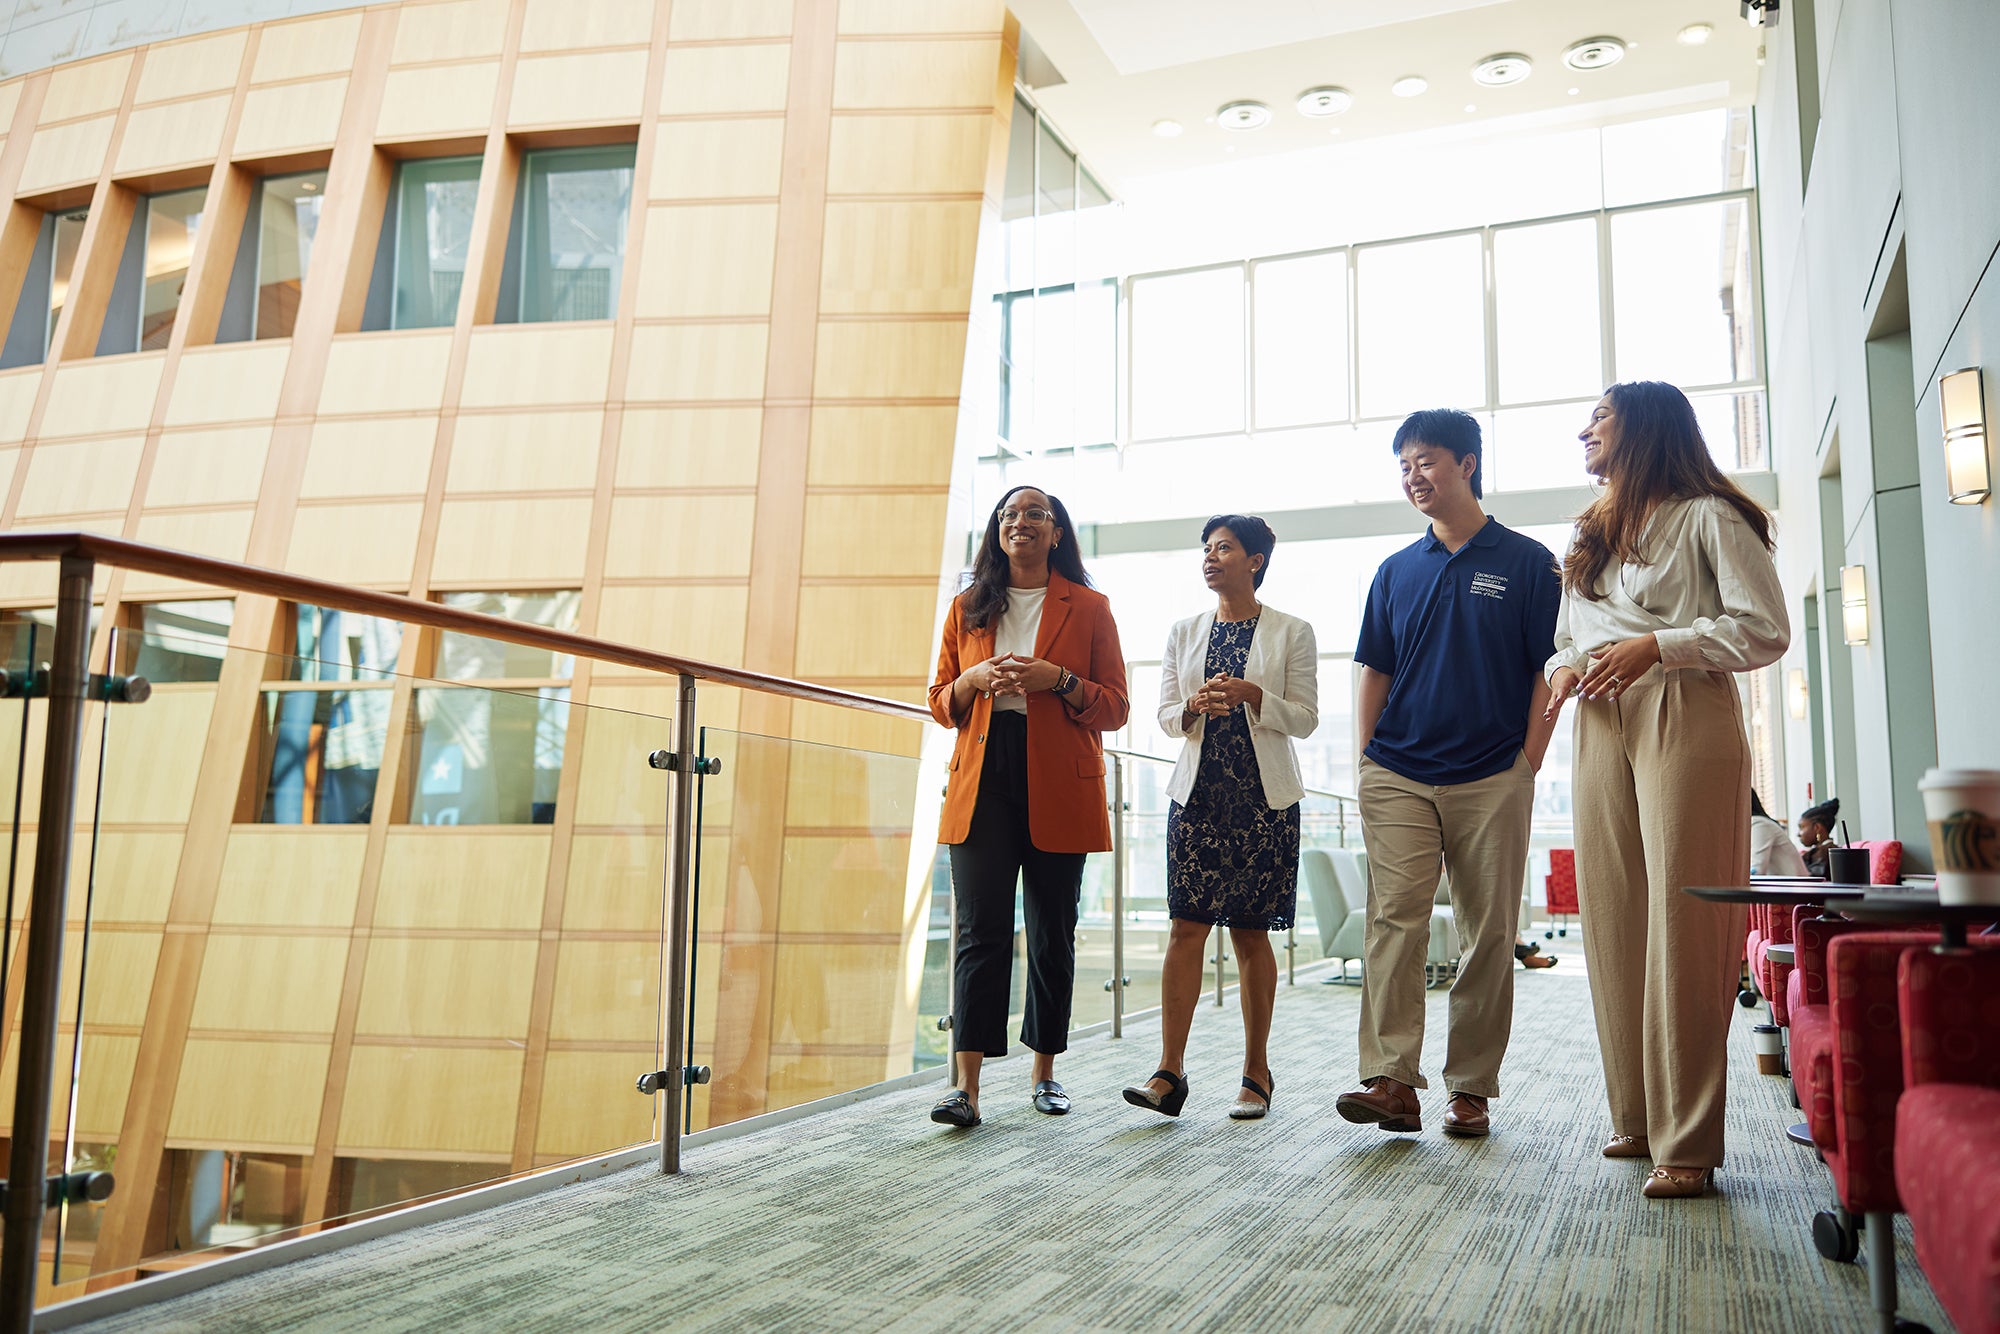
<point>1129,63</point>
<point>1140,35</point>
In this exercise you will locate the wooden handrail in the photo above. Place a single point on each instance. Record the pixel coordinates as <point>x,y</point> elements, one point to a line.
<point>237,577</point>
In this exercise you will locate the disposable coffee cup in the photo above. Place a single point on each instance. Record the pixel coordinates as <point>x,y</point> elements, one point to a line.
<point>1847,866</point>
<point>1770,1049</point>
<point>1962,808</point>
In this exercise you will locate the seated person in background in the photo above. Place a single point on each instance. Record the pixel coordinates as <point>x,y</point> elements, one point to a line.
<point>1816,834</point>
<point>1771,851</point>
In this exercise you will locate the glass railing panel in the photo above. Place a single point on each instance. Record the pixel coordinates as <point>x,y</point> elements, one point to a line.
<point>1145,850</point>
<point>813,922</point>
<point>406,934</point>
<point>1329,823</point>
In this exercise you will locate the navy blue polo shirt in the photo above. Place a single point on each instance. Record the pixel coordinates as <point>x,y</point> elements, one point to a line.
<point>1463,637</point>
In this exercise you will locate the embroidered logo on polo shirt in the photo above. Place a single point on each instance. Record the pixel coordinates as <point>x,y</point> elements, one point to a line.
<point>1489,585</point>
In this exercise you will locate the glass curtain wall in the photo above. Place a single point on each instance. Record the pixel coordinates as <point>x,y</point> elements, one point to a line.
<point>1276,384</point>
<point>434,202</point>
<point>577,208</point>
<point>1059,300</point>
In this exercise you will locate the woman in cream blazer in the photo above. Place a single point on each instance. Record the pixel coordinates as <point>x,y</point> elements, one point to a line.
<point>1237,685</point>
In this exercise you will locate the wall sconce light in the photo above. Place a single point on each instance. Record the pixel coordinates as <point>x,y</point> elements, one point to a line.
<point>1854,604</point>
<point>1798,697</point>
<point>1962,399</point>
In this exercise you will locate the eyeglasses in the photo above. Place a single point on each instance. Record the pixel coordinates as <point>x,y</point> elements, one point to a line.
<point>1033,514</point>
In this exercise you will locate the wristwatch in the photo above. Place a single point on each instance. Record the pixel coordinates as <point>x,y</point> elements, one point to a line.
<point>1065,684</point>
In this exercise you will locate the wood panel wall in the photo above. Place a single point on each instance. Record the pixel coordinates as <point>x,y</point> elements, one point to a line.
<point>754,463</point>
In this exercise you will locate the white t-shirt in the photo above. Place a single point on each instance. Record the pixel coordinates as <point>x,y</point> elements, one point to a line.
<point>1019,625</point>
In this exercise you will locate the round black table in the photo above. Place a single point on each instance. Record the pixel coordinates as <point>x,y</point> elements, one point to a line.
<point>1921,910</point>
<point>1779,891</point>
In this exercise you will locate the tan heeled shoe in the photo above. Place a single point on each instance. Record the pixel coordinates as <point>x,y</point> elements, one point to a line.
<point>1676,1183</point>
<point>1627,1146</point>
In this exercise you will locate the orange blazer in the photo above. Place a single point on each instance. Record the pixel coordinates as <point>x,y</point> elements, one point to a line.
<point>1066,807</point>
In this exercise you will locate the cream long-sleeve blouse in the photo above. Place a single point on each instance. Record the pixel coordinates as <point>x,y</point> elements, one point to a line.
<point>1708,592</point>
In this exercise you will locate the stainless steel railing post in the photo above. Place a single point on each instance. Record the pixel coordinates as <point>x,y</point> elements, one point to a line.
<point>28,1161</point>
<point>681,854</point>
<point>1118,848</point>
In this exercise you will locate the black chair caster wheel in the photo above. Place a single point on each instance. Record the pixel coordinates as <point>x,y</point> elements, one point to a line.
<point>1746,998</point>
<point>1834,1240</point>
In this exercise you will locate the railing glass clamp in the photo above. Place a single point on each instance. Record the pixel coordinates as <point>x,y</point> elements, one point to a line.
<point>1113,983</point>
<point>72,1188</point>
<point>23,683</point>
<point>655,1080</point>
<point>667,759</point>
<point>120,689</point>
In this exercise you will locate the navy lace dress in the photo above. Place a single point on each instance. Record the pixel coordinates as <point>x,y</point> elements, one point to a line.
<point>1231,859</point>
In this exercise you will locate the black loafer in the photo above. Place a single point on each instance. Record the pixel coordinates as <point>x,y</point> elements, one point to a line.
<point>1050,1100</point>
<point>955,1109</point>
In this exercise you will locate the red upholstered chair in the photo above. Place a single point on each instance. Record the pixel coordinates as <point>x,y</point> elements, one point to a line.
<point>1817,1053</point>
<point>1859,1080</point>
<point>1560,884</point>
<point>1885,860</point>
<point>1947,1172</point>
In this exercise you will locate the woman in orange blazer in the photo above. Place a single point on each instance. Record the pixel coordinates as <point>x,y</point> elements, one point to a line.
<point>1029,674</point>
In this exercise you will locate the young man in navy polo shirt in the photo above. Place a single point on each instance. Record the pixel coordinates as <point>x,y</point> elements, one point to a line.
<point>1457,627</point>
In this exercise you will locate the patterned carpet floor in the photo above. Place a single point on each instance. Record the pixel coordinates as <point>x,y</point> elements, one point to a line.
<point>870,1217</point>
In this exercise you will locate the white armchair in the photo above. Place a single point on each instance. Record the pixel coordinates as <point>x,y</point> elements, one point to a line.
<point>1337,880</point>
<point>1343,921</point>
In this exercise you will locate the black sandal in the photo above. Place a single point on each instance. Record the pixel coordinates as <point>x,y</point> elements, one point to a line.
<point>1166,1104</point>
<point>1248,1109</point>
<point>955,1109</point>
<point>1050,1100</point>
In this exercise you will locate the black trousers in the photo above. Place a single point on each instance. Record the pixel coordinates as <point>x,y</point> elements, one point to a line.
<point>997,853</point>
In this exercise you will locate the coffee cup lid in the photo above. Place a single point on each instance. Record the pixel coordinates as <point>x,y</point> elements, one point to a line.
<point>1958,778</point>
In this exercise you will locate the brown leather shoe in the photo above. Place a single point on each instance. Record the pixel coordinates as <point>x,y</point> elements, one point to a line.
<point>1382,1101</point>
<point>1466,1117</point>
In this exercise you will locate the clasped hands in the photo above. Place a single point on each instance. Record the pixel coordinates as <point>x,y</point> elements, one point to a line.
<point>1222,693</point>
<point>1013,674</point>
<point>1611,671</point>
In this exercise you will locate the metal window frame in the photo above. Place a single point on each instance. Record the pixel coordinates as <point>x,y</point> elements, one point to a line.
<point>1355,418</point>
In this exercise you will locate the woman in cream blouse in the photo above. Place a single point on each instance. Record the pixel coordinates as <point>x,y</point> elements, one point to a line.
<point>1668,591</point>
<point>1236,685</point>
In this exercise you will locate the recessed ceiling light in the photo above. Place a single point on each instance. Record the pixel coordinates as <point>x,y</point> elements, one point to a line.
<point>1574,91</point>
<point>1335,129</point>
<point>1167,129</point>
<point>1503,69</point>
<point>1410,85</point>
<point>1594,53</point>
<point>1326,101</point>
<point>1243,115</point>
<point>1470,107</point>
<point>1695,34</point>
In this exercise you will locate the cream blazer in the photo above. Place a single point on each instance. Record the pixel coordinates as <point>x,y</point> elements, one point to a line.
<point>1284,662</point>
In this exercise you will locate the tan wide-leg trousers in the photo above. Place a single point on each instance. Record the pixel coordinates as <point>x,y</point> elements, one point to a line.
<point>1662,784</point>
<point>1478,833</point>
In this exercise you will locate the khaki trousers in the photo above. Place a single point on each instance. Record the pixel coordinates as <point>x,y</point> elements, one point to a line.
<point>1662,783</point>
<point>1478,833</point>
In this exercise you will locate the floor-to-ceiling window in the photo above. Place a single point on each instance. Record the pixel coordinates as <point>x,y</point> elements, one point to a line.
<point>1274,384</point>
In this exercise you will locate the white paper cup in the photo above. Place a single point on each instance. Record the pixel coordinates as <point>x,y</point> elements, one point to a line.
<point>1770,1049</point>
<point>1962,808</point>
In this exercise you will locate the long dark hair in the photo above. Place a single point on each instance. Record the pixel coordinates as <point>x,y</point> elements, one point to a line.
<point>1658,455</point>
<point>985,596</point>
